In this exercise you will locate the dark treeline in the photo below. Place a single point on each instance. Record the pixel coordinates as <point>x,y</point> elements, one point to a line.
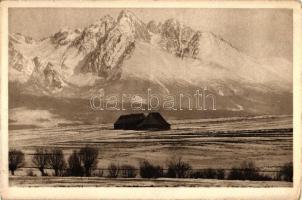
<point>84,163</point>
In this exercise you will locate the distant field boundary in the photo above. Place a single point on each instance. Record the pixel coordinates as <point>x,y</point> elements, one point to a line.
<point>265,130</point>
<point>260,169</point>
<point>26,181</point>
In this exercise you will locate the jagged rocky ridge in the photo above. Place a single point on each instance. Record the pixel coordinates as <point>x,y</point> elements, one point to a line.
<point>125,50</point>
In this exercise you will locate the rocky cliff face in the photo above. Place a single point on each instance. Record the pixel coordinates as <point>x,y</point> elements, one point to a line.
<point>129,22</point>
<point>20,67</point>
<point>88,39</point>
<point>46,75</point>
<point>179,39</point>
<point>17,60</point>
<point>64,37</point>
<point>116,45</point>
<point>52,77</point>
<point>153,27</point>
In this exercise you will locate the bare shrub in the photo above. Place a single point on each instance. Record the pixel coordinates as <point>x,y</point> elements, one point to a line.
<point>88,157</point>
<point>236,174</point>
<point>57,162</point>
<point>220,174</point>
<point>15,160</point>
<point>209,174</point>
<point>30,172</point>
<point>197,174</point>
<point>247,171</point>
<point>178,169</point>
<point>286,172</point>
<point>41,160</point>
<point>147,170</point>
<point>113,171</point>
<point>128,171</point>
<point>74,164</point>
<point>98,173</point>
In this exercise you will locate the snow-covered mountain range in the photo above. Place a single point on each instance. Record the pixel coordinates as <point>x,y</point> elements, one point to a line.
<point>126,55</point>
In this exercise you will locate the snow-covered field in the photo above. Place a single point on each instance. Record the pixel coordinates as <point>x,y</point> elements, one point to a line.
<point>136,182</point>
<point>215,143</point>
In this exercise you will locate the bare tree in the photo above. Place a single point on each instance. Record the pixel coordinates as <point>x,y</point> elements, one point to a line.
<point>113,171</point>
<point>56,161</point>
<point>148,170</point>
<point>41,160</point>
<point>74,163</point>
<point>286,172</point>
<point>128,171</point>
<point>16,160</point>
<point>178,168</point>
<point>88,156</point>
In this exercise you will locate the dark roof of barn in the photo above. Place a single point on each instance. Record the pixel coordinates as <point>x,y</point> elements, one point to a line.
<point>154,118</point>
<point>130,118</point>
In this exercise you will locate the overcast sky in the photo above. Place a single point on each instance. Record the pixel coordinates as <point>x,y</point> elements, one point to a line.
<point>257,32</point>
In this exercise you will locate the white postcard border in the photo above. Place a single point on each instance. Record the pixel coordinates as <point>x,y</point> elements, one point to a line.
<point>152,193</point>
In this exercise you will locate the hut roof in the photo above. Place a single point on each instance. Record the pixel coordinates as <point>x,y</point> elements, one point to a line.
<point>129,121</point>
<point>154,121</point>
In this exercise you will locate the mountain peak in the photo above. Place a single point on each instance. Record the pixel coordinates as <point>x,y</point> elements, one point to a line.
<point>129,23</point>
<point>127,17</point>
<point>89,37</point>
<point>128,14</point>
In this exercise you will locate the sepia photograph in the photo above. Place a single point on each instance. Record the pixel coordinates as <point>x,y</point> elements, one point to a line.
<point>150,97</point>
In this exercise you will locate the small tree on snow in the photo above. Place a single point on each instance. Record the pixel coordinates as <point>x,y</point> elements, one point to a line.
<point>56,161</point>
<point>16,160</point>
<point>89,156</point>
<point>74,163</point>
<point>41,160</point>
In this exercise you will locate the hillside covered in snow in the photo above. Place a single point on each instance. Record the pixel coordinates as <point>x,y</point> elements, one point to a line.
<point>127,55</point>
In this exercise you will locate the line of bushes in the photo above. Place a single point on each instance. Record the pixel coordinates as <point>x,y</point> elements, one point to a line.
<point>176,169</point>
<point>248,171</point>
<point>181,169</point>
<point>123,171</point>
<point>80,163</point>
<point>84,163</point>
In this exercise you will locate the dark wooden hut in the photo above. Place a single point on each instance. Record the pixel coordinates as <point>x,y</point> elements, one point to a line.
<point>154,121</point>
<point>129,122</point>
